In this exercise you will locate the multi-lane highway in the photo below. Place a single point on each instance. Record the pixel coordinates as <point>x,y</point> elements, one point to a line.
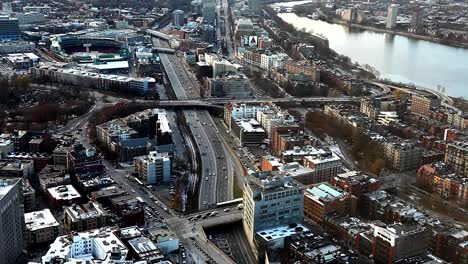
<point>223,27</point>
<point>188,231</point>
<point>214,180</point>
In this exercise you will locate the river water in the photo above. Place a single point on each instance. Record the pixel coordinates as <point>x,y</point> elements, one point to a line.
<point>398,58</point>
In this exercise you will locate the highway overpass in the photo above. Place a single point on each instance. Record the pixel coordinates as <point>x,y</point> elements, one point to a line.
<point>164,50</point>
<point>158,34</point>
<point>222,101</point>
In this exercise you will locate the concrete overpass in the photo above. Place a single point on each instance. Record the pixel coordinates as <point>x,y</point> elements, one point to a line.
<point>422,91</point>
<point>221,220</point>
<point>158,34</point>
<point>222,101</point>
<point>164,50</point>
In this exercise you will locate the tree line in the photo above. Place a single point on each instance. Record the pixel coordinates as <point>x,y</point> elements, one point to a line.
<point>368,153</point>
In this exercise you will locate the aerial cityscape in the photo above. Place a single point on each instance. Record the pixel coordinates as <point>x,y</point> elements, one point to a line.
<point>233,132</point>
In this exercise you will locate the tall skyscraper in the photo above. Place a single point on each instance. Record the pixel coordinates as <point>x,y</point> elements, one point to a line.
<point>392,16</point>
<point>9,29</point>
<point>11,221</point>
<point>209,12</point>
<point>178,18</point>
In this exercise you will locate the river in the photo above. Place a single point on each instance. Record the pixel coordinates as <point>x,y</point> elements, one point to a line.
<point>398,58</point>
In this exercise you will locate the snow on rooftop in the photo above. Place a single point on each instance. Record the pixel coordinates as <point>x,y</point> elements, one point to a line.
<point>281,232</point>
<point>39,220</point>
<point>64,192</point>
<point>101,243</point>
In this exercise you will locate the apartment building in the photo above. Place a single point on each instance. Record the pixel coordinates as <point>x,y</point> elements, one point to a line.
<point>41,227</point>
<point>84,78</point>
<point>100,244</point>
<point>293,67</point>
<point>115,130</point>
<point>402,155</point>
<point>398,241</point>
<point>355,182</point>
<point>86,216</point>
<point>422,105</point>
<point>322,198</point>
<point>234,111</point>
<point>456,157</point>
<point>154,168</point>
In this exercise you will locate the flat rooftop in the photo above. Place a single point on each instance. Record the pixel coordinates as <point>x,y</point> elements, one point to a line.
<point>64,192</point>
<point>281,232</point>
<point>142,245</point>
<point>85,211</point>
<point>39,220</point>
<point>6,186</point>
<point>325,192</point>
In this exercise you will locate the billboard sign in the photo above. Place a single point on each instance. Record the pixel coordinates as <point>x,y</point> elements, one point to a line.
<point>253,41</point>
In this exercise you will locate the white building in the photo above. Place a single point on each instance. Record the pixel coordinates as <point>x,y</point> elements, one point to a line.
<point>155,168</point>
<point>63,194</point>
<point>270,61</point>
<point>387,117</point>
<point>45,9</point>
<point>85,78</point>
<point>16,47</point>
<point>98,25</point>
<point>274,237</point>
<point>41,226</point>
<point>392,16</point>
<point>100,244</point>
<point>243,111</point>
<point>30,18</point>
<point>6,146</point>
<point>221,67</point>
<point>270,119</point>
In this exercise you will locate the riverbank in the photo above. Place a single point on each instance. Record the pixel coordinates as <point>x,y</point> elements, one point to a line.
<point>399,33</point>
